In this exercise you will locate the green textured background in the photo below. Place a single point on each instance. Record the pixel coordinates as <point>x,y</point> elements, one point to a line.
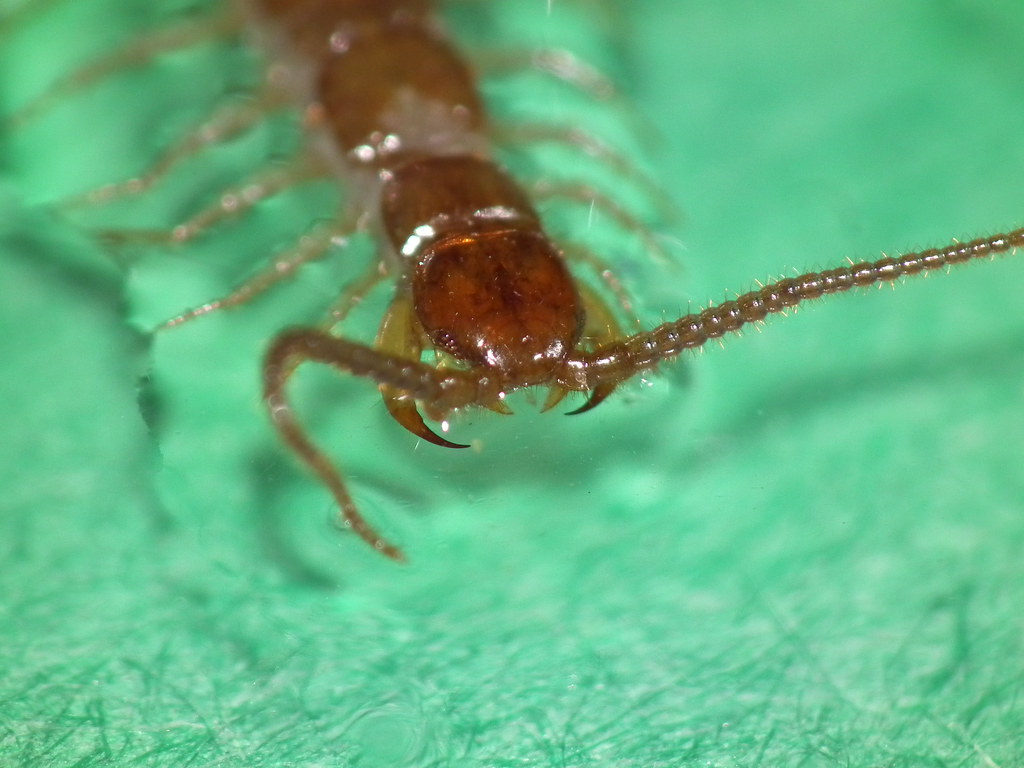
<point>801,549</point>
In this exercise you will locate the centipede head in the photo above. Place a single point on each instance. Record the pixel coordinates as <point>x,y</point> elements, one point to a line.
<point>502,300</point>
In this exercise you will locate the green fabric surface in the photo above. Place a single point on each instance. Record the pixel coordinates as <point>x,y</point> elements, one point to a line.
<point>801,548</point>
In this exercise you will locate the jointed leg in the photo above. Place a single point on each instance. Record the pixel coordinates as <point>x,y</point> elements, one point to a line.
<point>444,389</point>
<point>281,361</point>
<point>586,195</point>
<point>558,63</point>
<point>138,52</point>
<point>225,124</point>
<point>591,145</point>
<point>21,14</point>
<point>353,294</point>
<point>309,248</point>
<point>230,203</point>
<point>604,271</point>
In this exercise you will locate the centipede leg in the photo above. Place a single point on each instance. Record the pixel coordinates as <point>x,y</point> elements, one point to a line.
<point>140,51</point>
<point>310,248</point>
<point>281,361</point>
<point>594,147</point>
<point>586,195</point>
<point>411,378</point>
<point>604,271</point>
<point>353,294</point>
<point>227,123</point>
<point>230,204</point>
<point>558,63</point>
<point>25,13</point>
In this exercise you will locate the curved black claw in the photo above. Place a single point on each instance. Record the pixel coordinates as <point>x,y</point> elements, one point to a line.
<point>597,396</point>
<point>406,414</point>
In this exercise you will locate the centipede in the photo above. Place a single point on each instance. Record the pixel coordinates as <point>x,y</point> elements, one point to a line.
<point>484,301</point>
